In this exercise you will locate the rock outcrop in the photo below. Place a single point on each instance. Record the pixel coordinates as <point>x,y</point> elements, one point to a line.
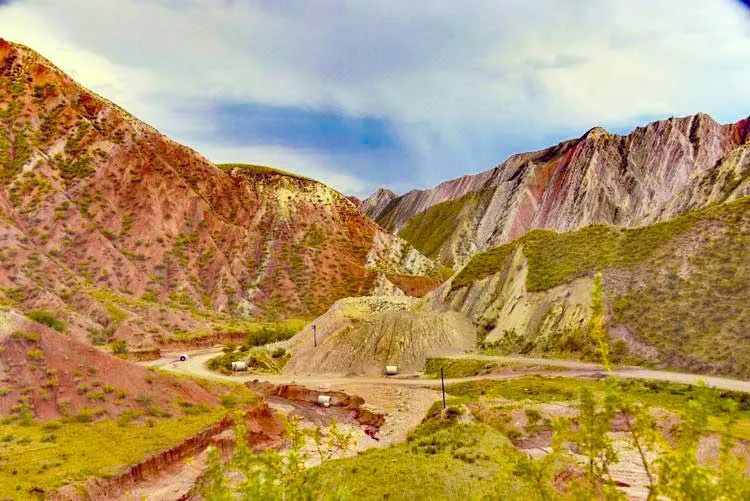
<point>377,202</point>
<point>131,236</point>
<point>652,174</point>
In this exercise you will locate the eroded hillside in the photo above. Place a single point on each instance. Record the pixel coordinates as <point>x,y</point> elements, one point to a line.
<point>127,235</point>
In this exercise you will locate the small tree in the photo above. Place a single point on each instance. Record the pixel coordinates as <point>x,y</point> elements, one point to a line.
<point>272,474</point>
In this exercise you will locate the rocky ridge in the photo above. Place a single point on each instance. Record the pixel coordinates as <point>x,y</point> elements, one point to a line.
<point>652,174</point>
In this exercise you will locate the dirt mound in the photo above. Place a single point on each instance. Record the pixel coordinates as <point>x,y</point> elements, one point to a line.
<point>44,374</point>
<point>362,335</point>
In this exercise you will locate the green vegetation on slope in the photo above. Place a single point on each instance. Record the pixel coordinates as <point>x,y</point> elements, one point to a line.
<point>556,258</point>
<point>669,396</point>
<point>428,231</point>
<point>49,455</point>
<point>258,360</point>
<point>457,367</point>
<point>259,169</point>
<point>694,310</point>
<point>450,461</point>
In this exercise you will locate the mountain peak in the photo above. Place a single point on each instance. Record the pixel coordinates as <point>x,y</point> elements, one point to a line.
<point>377,202</point>
<point>596,133</point>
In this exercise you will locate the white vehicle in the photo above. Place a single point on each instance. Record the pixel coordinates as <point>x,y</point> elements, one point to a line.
<point>239,366</point>
<point>183,357</point>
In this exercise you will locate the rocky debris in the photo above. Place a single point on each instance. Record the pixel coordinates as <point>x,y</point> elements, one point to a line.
<point>348,408</point>
<point>652,174</point>
<point>363,335</point>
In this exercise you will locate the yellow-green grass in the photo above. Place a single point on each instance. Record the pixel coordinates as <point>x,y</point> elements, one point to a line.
<point>259,169</point>
<point>261,360</point>
<point>48,456</point>
<point>428,231</point>
<point>443,461</point>
<point>260,331</point>
<point>457,367</point>
<point>669,396</point>
<point>556,258</point>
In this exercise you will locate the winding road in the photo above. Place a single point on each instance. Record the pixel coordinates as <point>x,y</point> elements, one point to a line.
<point>196,366</point>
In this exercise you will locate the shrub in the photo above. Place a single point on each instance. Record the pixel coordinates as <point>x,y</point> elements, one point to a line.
<point>35,354</point>
<point>119,346</point>
<point>46,318</point>
<point>27,335</point>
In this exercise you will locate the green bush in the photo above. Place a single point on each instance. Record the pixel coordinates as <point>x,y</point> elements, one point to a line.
<point>119,346</point>
<point>47,318</point>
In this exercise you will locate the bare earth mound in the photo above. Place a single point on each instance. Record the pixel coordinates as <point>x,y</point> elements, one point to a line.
<point>362,335</point>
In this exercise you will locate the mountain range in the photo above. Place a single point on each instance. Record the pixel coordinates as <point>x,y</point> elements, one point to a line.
<point>120,234</point>
<point>655,173</point>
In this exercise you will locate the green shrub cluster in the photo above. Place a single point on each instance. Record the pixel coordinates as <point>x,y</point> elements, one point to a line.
<point>47,318</point>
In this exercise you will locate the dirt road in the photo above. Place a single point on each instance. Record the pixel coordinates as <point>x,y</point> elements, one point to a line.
<point>195,366</point>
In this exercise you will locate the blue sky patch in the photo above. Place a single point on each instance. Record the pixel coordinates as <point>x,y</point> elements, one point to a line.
<point>295,127</point>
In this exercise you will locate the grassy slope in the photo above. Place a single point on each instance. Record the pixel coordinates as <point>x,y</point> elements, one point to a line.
<point>50,455</point>
<point>556,258</point>
<point>672,397</point>
<point>444,460</point>
<point>428,231</point>
<point>680,285</point>
<point>447,463</point>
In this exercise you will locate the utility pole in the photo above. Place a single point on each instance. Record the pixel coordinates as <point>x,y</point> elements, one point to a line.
<point>442,384</point>
<point>315,336</point>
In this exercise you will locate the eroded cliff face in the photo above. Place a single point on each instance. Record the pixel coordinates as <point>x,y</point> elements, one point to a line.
<point>131,236</point>
<point>652,174</point>
<point>504,311</point>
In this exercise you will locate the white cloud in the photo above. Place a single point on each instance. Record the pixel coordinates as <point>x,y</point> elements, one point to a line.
<point>463,82</point>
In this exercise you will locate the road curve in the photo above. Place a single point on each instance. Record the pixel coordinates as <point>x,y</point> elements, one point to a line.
<point>196,366</point>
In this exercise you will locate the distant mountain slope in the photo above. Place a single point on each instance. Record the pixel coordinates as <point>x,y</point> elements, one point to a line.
<point>129,235</point>
<point>654,173</point>
<point>676,292</point>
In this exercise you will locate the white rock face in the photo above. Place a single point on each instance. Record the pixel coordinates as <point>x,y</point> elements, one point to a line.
<point>390,252</point>
<point>500,305</point>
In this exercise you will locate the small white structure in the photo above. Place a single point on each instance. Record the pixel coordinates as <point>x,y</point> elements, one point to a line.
<point>324,400</point>
<point>391,370</point>
<point>184,357</point>
<point>239,366</point>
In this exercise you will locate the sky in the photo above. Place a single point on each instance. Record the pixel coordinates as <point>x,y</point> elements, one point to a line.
<point>400,93</point>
